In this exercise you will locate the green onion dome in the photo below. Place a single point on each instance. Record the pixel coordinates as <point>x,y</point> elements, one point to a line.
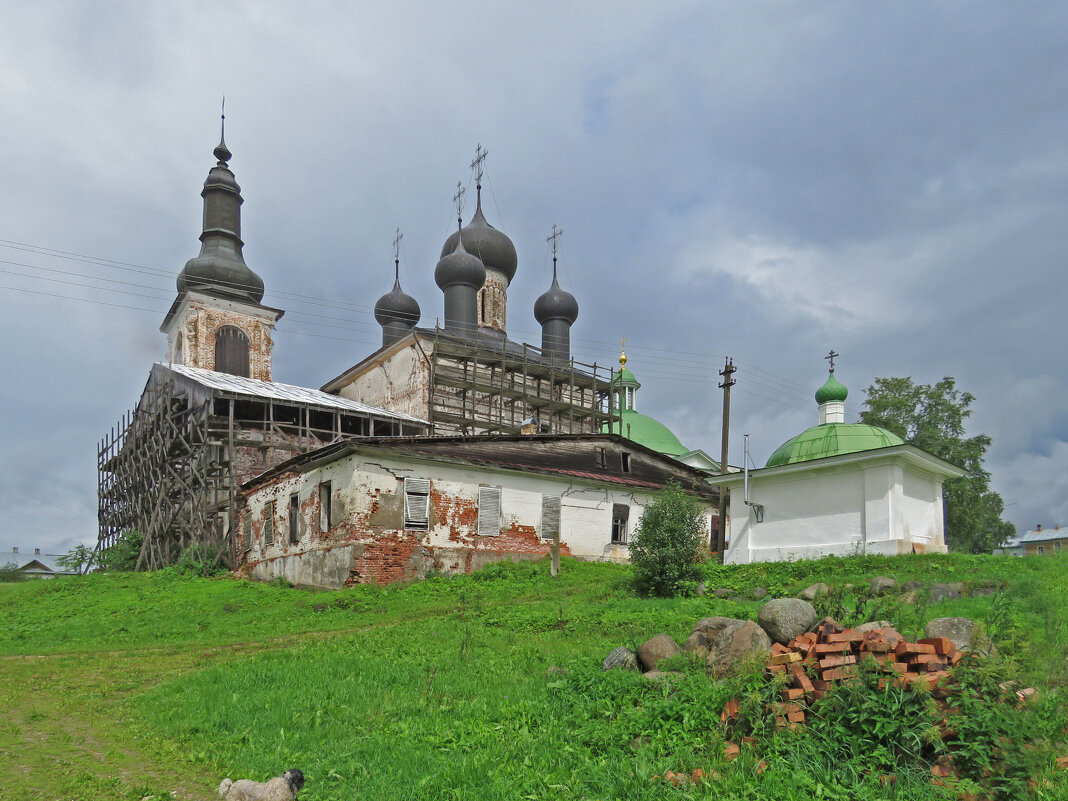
<point>832,390</point>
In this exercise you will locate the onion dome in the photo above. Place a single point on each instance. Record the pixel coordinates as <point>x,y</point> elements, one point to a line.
<point>556,304</point>
<point>220,268</point>
<point>832,390</point>
<point>397,306</point>
<point>459,268</point>
<point>481,239</point>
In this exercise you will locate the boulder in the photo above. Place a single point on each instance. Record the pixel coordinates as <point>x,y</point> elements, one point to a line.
<point>655,649</point>
<point>963,631</point>
<point>697,644</point>
<point>944,592</point>
<point>881,585</point>
<point>711,626</point>
<point>723,592</point>
<point>812,591</point>
<point>785,618</point>
<point>623,658</point>
<point>699,589</point>
<point>911,586</point>
<point>758,592</point>
<point>734,644</point>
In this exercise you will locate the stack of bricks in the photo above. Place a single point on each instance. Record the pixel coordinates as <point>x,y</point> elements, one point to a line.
<point>831,653</point>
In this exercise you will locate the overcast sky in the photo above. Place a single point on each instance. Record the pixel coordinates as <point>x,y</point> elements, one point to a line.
<point>760,180</point>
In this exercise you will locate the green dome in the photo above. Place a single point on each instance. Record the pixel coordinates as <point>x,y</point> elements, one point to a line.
<point>625,376</point>
<point>833,390</point>
<point>648,432</point>
<point>832,439</point>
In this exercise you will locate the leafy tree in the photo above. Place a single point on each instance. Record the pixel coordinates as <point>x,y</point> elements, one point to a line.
<point>932,417</point>
<point>123,553</point>
<point>76,558</point>
<point>666,549</point>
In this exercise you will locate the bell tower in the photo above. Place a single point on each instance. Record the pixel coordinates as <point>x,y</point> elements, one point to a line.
<point>217,321</point>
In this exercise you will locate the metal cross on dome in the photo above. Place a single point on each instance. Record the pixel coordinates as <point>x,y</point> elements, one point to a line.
<point>831,357</point>
<point>396,245</point>
<point>555,235</point>
<point>477,164</point>
<point>458,198</point>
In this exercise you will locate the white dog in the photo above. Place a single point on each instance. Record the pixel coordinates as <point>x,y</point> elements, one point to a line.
<point>280,788</point>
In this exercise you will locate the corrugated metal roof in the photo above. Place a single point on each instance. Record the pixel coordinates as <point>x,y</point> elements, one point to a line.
<point>1039,535</point>
<point>286,392</point>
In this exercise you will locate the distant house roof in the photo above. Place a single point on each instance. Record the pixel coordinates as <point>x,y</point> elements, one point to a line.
<point>1037,535</point>
<point>283,392</point>
<point>38,564</point>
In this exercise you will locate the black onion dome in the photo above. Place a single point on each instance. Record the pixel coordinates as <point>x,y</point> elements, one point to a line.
<point>397,306</point>
<point>220,267</point>
<point>483,240</point>
<point>556,304</point>
<point>460,267</point>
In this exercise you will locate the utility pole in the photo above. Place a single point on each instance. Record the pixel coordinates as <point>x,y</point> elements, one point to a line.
<point>721,536</point>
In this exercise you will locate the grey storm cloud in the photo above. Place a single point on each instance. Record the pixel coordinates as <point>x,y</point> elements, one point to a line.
<point>753,180</point>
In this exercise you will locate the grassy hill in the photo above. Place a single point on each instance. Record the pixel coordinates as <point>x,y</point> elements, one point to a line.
<point>129,686</point>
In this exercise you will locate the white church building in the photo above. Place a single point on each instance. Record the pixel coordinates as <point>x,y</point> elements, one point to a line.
<point>838,488</point>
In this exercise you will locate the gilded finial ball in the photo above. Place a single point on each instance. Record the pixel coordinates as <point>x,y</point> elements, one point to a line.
<point>622,358</point>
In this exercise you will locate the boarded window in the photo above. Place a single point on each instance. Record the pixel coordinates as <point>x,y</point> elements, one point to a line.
<point>268,523</point>
<point>294,517</point>
<point>231,351</point>
<point>417,503</point>
<point>620,517</point>
<point>489,511</point>
<point>550,516</point>
<point>324,506</point>
<point>247,530</point>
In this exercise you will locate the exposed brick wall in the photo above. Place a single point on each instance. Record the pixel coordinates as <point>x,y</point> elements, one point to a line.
<point>493,301</point>
<point>198,328</point>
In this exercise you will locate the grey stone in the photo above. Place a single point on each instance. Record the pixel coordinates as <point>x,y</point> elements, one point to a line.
<point>758,593</point>
<point>723,592</point>
<point>736,599</point>
<point>711,626</point>
<point>979,591</point>
<point>785,618</point>
<point>656,648</point>
<point>697,644</point>
<point>813,591</point>
<point>944,592</point>
<point>910,586</point>
<point>700,589</point>
<point>963,631</point>
<point>623,658</point>
<point>735,644</point>
<point>881,585</point>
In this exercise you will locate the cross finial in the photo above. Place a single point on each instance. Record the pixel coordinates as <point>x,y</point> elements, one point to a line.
<point>222,114</point>
<point>477,164</point>
<point>458,199</point>
<point>553,237</point>
<point>831,357</point>
<point>396,251</point>
<point>623,352</point>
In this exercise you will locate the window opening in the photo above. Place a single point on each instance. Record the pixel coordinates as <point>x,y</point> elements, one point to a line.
<point>489,511</point>
<point>550,516</point>
<point>417,504</point>
<point>324,506</point>
<point>602,458</point>
<point>268,523</point>
<point>625,460</point>
<point>620,517</point>
<point>294,517</point>
<point>231,351</point>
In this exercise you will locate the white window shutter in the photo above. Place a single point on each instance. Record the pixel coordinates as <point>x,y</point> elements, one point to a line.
<point>417,503</point>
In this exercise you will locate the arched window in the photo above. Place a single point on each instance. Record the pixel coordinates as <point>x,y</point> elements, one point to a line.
<point>231,351</point>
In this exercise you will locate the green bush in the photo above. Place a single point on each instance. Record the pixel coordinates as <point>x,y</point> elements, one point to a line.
<point>666,550</point>
<point>122,555</point>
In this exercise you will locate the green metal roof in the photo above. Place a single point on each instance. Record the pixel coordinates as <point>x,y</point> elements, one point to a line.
<point>832,439</point>
<point>625,376</point>
<point>648,432</point>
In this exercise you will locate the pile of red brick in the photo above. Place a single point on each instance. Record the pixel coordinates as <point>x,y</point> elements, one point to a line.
<point>816,659</point>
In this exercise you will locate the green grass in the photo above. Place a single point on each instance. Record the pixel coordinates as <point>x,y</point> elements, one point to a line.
<point>127,686</point>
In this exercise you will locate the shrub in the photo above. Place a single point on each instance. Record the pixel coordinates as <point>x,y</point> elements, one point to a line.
<point>122,555</point>
<point>665,552</point>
